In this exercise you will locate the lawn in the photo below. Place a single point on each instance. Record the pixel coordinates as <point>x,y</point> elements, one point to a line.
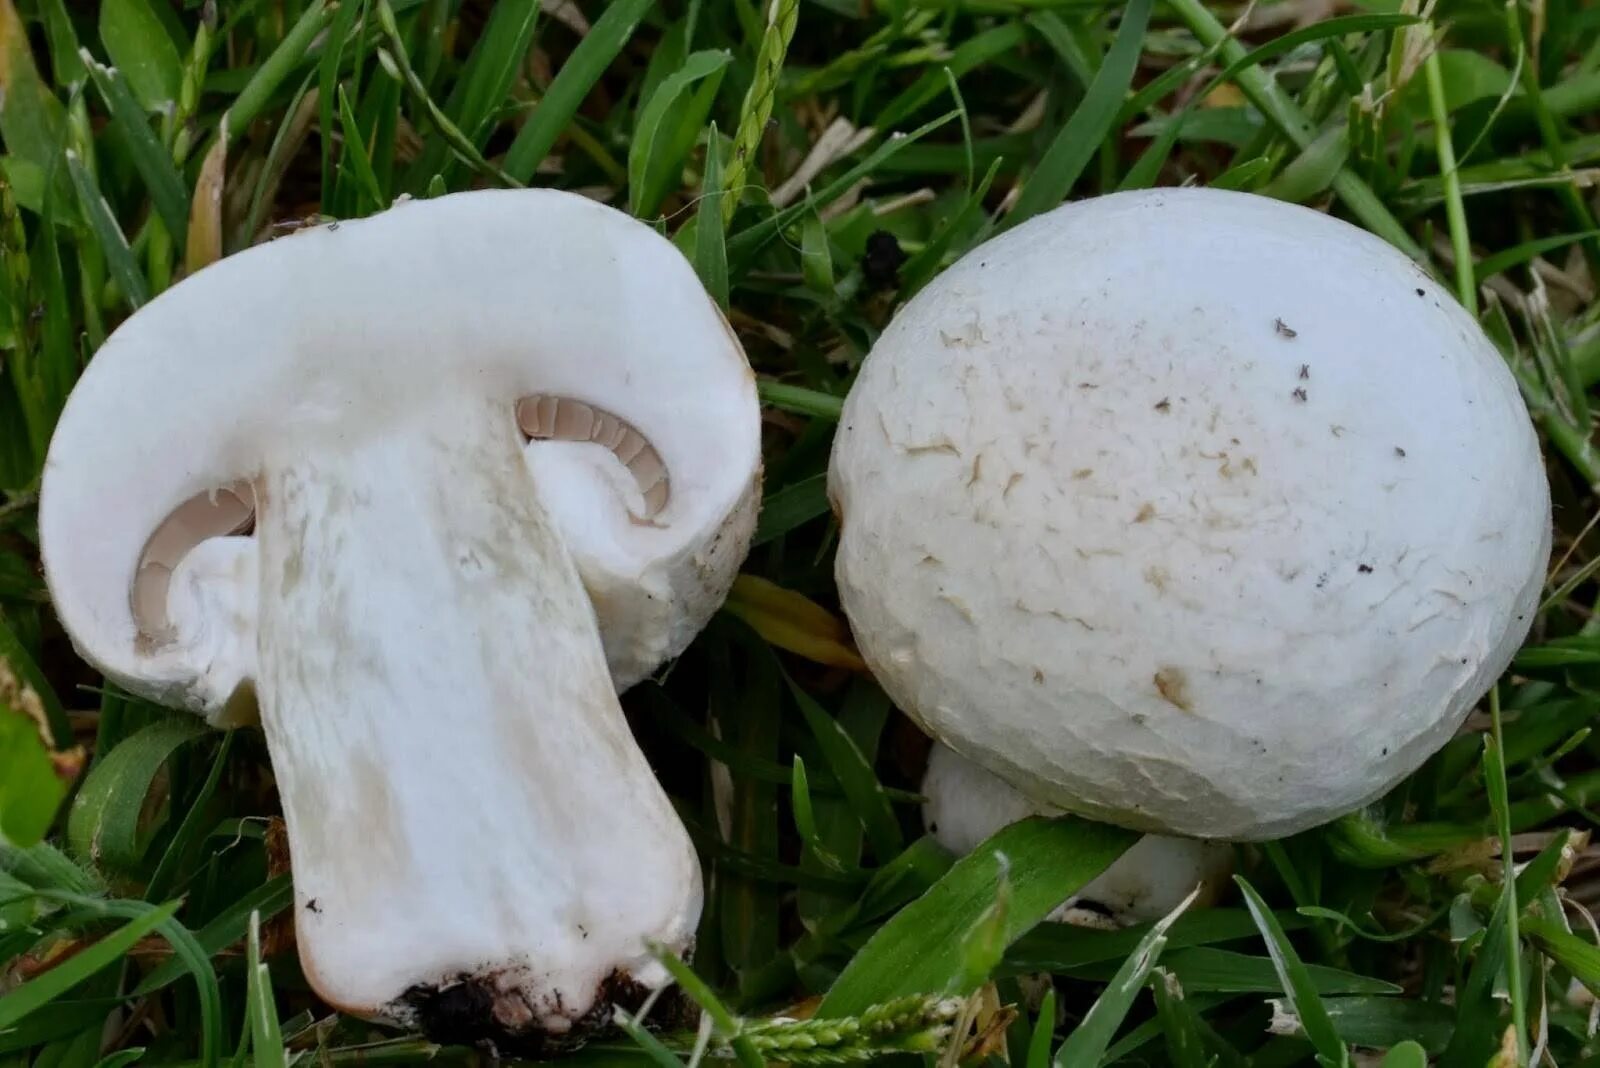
<point>818,162</point>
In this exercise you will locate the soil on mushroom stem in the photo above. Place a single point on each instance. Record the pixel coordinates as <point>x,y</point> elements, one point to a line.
<point>466,1013</point>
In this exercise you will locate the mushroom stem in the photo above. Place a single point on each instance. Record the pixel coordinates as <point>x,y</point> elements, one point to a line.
<point>478,844</point>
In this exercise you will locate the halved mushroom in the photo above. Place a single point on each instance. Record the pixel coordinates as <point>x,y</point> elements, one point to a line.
<point>485,444</point>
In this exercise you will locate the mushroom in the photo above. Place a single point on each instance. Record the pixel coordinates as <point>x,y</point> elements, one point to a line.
<point>425,490</point>
<point>1191,511</point>
<point>966,804</point>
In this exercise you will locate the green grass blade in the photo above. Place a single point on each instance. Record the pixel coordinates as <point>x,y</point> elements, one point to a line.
<point>1578,956</point>
<point>722,1020</point>
<point>44,867</point>
<point>800,400</point>
<point>113,243</point>
<point>959,234</point>
<point>1378,1022</point>
<point>227,927</point>
<point>583,68</point>
<point>1209,970</point>
<point>1406,1055</point>
<point>64,46</point>
<point>186,841</point>
<point>59,1020</point>
<point>1494,777</point>
<point>918,951</point>
<point>1044,1026</point>
<point>104,825</point>
<point>976,52</point>
<point>1089,1040</point>
<point>339,32</point>
<point>30,789</point>
<point>41,991</point>
<point>805,820</point>
<point>1184,1031</point>
<point>492,68</point>
<point>1078,141</point>
<point>647,167</point>
<point>355,154</point>
<point>1455,212</point>
<point>750,240</point>
<point>141,48</point>
<point>1516,255</point>
<point>855,775</point>
<point>277,67</point>
<point>266,1039</point>
<point>14,657</point>
<point>710,238</point>
<point>1243,176</point>
<point>397,63</point>
<point>168,193</point>
<point>983,944</point>
<point>33,122</point>
<point>655,1050</point>
<point>791,507</point>
<point>816,256</point>
<point>1478,1008</point>
<point>1296,982</point>
<point>1264,92</point>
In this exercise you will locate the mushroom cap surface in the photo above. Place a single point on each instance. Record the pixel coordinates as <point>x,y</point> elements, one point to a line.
<point>324,335</point>
<point>1192,511</point>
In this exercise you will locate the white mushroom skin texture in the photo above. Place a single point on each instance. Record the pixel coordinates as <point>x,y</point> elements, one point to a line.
<point>340,506</point>
<point>1191,511</point>
<point>966,805</point>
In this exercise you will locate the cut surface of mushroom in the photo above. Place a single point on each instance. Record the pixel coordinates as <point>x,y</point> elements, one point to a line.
<point>547,418</point>
<point>230,510</point>
<point>1192,511</point>
<point>222,512</point>
<point>404,542</point>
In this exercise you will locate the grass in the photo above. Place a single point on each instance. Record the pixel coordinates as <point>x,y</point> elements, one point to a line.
<point>143,880</point>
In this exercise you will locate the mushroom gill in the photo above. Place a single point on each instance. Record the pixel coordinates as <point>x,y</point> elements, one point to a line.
<point>216,513</point>
<point>543,417</point>
<point>230,510</point>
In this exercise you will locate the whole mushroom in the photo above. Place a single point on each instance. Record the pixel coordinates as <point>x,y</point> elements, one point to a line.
<point>1192,511</point>
<point>425,490</point>
<point>966,804</point>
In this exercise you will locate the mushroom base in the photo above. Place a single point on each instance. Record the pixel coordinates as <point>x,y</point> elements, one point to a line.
<point>466,1013</point>
<point>466,808</point>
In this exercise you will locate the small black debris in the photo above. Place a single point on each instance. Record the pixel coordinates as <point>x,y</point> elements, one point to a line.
<point>1365,569</point>
<point>1305,371</point>
<point>881,263</point>
<point>1284,329</point>
<point>1398,451</point>
<point>1299,394</point>
<point>1164,404</point>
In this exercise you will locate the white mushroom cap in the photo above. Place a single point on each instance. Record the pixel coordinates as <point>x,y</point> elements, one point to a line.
<point>530,294</point>
<point>966,805</point>
<point>435,421</point>
<point>1188,510</point>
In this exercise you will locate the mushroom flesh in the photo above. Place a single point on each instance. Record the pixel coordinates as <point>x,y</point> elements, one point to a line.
<point>423,491</point>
